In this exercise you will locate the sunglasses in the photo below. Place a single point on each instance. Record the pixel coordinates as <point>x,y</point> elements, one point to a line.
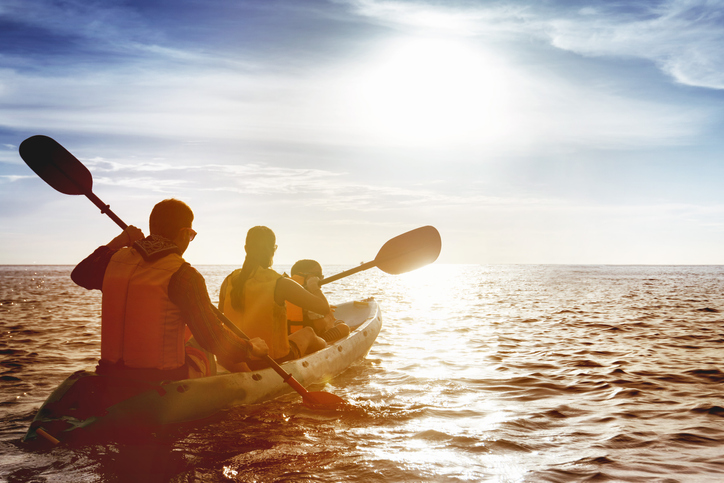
<point>192,233</point>
<point>312,274</point>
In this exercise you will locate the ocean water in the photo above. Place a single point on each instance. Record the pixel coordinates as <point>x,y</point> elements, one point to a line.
<point>481,373</point>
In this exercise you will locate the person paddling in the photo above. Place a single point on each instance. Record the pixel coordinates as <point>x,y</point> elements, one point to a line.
<point>150,295</point>
<point>254,298</point>
<point>327,327</point>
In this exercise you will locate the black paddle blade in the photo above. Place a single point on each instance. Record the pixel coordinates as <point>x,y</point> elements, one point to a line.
<point>411,250</point>
<point>56,166</point>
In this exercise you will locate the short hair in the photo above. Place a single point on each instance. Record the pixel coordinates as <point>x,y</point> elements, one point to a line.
<point>305,267</point>
<point>168,217</point>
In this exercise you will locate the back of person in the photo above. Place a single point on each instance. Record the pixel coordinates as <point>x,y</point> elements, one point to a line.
<point>141,327</point>
<point>260,316</point>
<point>254,297</point>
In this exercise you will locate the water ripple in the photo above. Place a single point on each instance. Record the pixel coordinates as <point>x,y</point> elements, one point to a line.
<point>481,373</point>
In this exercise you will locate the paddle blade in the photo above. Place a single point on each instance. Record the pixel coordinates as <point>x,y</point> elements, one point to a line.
<point>409,251</point>
<point>320,400</point>
<point>56,166</point>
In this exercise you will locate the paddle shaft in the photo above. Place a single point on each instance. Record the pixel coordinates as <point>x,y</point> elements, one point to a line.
<point>349,272</point>
<point>288,378</point>
<point>106,209</point>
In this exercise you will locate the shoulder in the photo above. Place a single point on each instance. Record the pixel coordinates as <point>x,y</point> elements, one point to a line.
<point>231,277</point>
<point>285,282</point>
<point>186,267</point>
<point>233,274</point>
<point>186,274</point>
<point>286,286</point>
<point>271,273</point>
<point>264,275</point>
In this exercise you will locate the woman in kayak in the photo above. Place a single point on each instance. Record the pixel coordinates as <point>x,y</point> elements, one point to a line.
<point>254,298</point>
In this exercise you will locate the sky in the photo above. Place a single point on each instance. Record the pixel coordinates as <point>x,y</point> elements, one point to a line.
<point>548,132</point>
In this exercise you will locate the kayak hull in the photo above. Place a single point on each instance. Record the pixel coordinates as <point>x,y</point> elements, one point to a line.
<point>87,404</point>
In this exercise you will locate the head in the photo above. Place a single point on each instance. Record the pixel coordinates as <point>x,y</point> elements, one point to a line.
<point>260,246</point>
<point>172,219</point>
<point>307,268</point>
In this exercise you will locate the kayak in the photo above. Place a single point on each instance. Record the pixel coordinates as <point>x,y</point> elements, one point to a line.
<point>88,405</point>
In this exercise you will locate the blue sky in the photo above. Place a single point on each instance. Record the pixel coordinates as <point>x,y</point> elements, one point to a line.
<point>533,132</point>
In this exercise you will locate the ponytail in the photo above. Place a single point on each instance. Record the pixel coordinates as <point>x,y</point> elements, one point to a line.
<point>260,247</point>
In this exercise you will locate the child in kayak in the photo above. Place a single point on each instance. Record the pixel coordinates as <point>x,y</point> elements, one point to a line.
<point>327,326</point>
<point>254,298</point>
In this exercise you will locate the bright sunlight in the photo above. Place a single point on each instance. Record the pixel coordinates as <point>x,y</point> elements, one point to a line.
<point>434,91</point>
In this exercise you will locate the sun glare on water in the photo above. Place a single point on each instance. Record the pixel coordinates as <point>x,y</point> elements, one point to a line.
<point>436,349</point>
<point>433,91</point>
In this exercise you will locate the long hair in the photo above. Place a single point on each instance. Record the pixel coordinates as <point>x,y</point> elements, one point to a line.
<point>260,246</point>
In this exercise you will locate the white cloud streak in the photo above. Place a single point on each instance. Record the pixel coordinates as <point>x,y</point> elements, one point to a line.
<point>12,178</point>
<point>321,189</point>
<point>107,23</point>
<point>684,38</point>
<point>221,96</point>
<point>288,141</point>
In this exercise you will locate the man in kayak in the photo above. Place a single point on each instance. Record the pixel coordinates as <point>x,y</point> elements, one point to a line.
<point>150,294</point>
<point>327,326</point>
<point>254,297</point>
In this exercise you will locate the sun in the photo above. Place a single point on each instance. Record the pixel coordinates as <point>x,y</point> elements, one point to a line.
<point>436,91</point>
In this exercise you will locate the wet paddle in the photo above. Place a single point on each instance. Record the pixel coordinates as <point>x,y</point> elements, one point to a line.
<point>404,253</point>
<point>64,172</point>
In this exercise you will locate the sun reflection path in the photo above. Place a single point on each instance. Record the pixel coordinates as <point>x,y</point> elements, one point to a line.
<point>431,360</point>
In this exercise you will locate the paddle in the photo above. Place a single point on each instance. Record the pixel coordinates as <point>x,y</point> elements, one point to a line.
<point>61,170</point>
<point>313,399</point>
<point>406,252</point>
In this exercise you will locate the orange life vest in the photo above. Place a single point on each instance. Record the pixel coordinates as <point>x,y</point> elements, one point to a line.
<point>295,314</point>
<point>141,327</point>
<point>262,316</point>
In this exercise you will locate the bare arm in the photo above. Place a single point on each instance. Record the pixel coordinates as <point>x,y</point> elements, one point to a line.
<point>311,298</point>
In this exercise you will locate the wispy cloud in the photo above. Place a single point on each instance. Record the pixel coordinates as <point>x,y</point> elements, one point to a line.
<point>85,26</point>
<point>12,178</point>
<point>684,38</point>
<point>321,189</point>
<point>458,18</point>
<point>164,87</point>
<point>546,122</point>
